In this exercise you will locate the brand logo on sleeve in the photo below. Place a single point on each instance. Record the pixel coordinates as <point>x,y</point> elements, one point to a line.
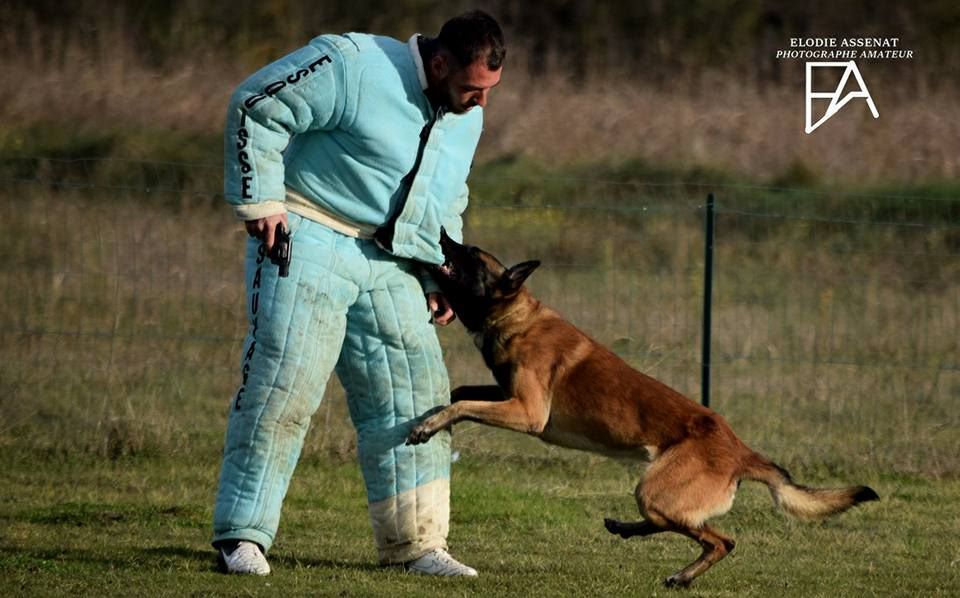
<point>274,88</point>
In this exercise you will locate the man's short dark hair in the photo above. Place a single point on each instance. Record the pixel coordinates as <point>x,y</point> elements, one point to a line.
<point>472,36</point>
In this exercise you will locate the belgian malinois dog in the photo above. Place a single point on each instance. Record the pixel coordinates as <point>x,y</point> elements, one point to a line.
<point>556,383</point>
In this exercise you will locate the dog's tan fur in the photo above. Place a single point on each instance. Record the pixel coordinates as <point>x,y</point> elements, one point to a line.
<point>560,385</point>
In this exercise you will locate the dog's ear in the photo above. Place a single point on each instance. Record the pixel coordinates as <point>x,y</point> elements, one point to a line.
<point>513,278</point>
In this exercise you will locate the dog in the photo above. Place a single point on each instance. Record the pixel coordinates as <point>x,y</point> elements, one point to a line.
<point>556,383</point>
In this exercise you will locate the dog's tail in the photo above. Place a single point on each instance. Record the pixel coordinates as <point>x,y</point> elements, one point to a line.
<point>801,501</point>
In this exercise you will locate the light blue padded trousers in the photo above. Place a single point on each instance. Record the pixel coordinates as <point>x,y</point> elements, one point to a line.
<point>346,305</point>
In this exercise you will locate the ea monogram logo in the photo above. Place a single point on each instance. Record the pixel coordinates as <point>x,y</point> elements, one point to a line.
<point>836,102</point>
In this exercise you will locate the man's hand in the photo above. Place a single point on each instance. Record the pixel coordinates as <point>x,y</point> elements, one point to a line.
<point>263,228</point>
<point>440,308</point>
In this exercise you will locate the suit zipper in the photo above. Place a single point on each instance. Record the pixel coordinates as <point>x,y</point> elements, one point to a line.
<point>384,234</point>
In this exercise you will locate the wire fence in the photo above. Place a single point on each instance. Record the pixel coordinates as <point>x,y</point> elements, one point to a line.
<point>836,316</point>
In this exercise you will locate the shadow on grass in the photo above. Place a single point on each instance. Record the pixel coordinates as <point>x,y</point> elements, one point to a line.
<point>277,560</point>
<point>67,560</point>
<point>81,514</point>
<point>288,561</point>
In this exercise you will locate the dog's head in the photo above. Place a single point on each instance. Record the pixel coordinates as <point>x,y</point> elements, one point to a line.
<point>475,282</point>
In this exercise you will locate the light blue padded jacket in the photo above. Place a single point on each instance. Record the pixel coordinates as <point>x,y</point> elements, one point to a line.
<point>343,122</point>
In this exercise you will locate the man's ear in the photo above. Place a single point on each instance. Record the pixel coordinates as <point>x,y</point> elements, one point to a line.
<point>439,65</point>
<point>513,278</point>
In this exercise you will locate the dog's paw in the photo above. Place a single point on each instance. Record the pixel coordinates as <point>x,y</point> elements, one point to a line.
<point>615,527</point>
<point>677,581</point>
<point>612,525</point>
<point>419,435</point>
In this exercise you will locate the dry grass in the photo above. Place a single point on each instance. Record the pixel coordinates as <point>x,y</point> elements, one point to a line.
<point>725,125</point>
<point>720,122</point>
<point>123,320</point>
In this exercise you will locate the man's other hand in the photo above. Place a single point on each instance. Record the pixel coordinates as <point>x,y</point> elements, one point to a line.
<point>440,308</point>
<point>264,228</point>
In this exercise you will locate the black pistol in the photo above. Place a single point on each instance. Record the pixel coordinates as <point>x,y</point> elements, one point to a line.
<point>282,250</point>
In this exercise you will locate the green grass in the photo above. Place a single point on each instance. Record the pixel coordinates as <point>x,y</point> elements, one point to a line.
<point>530,521</point>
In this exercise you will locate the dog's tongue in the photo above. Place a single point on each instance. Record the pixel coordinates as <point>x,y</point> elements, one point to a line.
<point>446,269</point>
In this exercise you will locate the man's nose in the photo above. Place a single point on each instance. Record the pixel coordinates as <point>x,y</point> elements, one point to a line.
<point>481,99</point>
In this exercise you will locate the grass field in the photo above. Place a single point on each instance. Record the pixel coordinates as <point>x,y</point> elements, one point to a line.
<point>529,518</point>
<point>836,331</point>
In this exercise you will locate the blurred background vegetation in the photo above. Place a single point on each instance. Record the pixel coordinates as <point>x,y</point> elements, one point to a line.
<point>667,88</point>
<point>838,253</point>
<point>648,41</point>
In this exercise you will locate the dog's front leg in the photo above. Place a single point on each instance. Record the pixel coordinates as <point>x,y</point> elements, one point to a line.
<point>526,411</point>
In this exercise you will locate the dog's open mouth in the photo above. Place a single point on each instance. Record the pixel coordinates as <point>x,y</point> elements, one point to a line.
<point>446,269</point>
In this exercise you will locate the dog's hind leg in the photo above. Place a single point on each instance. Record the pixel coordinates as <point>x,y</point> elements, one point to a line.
<point>644,527</point>
<point>715,547</point>
<point>681,490</point>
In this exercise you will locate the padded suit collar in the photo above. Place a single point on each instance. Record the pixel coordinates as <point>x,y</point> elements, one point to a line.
<point>414,46</point>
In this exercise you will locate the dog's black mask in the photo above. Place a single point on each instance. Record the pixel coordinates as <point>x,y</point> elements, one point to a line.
<point>475,282</point>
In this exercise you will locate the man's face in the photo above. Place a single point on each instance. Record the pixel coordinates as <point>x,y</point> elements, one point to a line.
<point>459,89</point>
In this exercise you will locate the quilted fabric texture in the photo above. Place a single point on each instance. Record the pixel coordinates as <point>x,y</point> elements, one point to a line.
<point>347,305</point>
<point>351,109</point>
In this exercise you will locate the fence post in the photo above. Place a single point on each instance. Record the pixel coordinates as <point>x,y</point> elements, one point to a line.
<point>707,303</point>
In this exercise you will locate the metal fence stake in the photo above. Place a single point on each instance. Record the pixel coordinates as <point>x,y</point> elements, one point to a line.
<point>707,303</point>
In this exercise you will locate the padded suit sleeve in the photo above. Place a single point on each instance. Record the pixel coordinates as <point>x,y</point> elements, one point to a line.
<point>452,222</point>
<point>303,91</point>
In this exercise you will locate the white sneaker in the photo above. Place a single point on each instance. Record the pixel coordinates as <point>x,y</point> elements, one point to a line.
<point>439,562</point>
<point>245,559</point>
